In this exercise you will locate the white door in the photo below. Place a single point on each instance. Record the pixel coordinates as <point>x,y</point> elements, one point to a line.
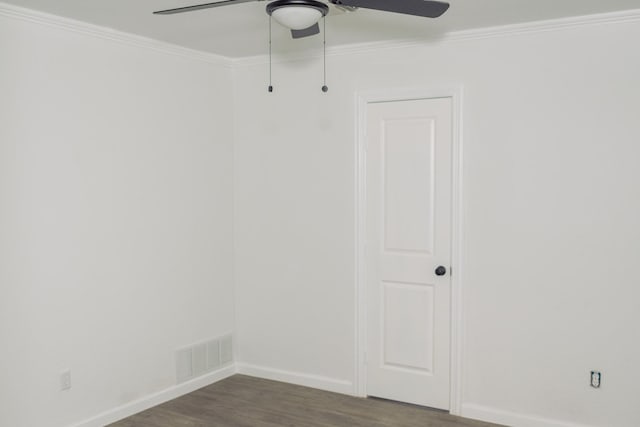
<point>408,232</point>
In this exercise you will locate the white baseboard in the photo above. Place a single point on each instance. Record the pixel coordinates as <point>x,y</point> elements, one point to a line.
<point>313,381</point>
<point>468,410</point>
<point>158,398</point>
<point>511,419</point>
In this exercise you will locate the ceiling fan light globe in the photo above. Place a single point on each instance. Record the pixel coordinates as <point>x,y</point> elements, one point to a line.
<point>296,17</point>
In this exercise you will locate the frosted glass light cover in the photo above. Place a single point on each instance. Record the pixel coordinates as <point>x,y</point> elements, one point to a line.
<point>297,17</point>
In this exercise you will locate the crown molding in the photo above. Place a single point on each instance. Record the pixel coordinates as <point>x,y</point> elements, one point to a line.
<point>628,16</point>
<point>29,15</point>
<point>33,16</point>
<point>622,17</point>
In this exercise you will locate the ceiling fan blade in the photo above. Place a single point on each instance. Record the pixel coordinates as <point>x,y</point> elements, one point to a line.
<point>200,7</point>
<point>426,8</point>
<point>311,31</point>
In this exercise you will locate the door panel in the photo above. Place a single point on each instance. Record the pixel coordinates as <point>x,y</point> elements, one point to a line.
<point>408,235</point>
<point>407,326</point>
<point>408,158</point>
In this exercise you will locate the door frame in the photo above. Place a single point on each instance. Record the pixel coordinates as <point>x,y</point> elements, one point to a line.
<point>363,99</point>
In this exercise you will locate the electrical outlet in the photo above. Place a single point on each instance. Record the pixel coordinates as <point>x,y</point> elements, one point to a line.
<point>65,380</point>
<point>596,378</point>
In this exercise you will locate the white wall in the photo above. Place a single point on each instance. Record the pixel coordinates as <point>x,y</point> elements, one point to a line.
<point>115,219</point>
<point>551,218</point>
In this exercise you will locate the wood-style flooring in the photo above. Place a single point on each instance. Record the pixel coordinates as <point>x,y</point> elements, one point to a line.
<point>242,401</point>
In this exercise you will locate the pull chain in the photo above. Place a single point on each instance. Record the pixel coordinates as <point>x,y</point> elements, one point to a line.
<point>270,86</point>
<point>324,53</point>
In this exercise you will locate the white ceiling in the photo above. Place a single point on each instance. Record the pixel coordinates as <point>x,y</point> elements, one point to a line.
<point>242,30</point>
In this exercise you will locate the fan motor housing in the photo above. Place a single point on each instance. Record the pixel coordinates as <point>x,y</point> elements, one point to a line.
<point>319,6</point>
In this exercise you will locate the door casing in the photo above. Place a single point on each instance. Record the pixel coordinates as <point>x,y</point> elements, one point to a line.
<point>363,99</point>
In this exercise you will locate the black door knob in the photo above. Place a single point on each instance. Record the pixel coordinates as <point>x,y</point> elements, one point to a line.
<point>441,271</point>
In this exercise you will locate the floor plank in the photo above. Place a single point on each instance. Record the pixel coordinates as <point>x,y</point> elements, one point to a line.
<point>242,401</point>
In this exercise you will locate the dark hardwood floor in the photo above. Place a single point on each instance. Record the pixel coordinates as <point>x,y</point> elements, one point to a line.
<point>245,401</point>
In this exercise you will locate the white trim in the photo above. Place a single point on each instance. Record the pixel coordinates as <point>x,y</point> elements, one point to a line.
<point>457,241</point>
<point>306,380</point>
<point>627,16</point>
<point>155,399</point>
<point>21,13</point>
<point>360,189</point>
<point>492,415</point>
<point>234,209</point>
<point>458,245</point>
<point>558,24</point>
<point>33,16</point>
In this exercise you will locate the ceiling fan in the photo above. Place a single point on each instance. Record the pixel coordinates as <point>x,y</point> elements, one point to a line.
<point>302,16</point>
